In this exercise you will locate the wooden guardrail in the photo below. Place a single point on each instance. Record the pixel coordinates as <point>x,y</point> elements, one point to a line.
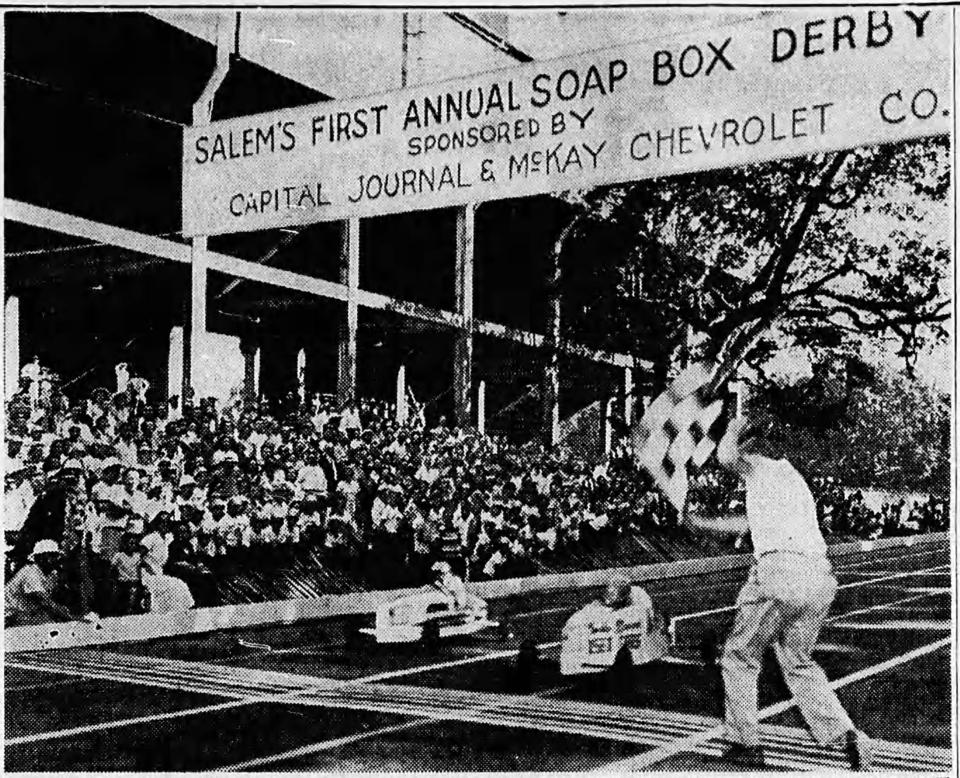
<point>156,625</point>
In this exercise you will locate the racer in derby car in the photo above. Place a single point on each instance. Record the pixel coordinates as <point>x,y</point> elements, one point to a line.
<point>622,628</point>
<point>450,584</point>
<point>441,610</point>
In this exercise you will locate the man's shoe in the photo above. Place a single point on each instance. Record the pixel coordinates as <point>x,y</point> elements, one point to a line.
<point>859,750</point>
<point>745,756</point>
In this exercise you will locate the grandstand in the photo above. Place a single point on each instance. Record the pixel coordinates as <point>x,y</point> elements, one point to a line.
<point>294,422</point>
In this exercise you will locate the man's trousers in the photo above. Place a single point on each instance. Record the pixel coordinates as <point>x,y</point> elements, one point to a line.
<point>784,603</point>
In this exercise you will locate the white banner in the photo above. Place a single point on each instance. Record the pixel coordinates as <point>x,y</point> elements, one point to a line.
<point>786,84</point>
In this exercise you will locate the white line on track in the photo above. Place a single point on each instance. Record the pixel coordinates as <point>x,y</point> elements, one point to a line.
<point>326,745</point>
<point>897,624</point>
<point>945,590</point>
<point>914,610</point>
<point>852,585</point>
<point>417,670</point>
<point>879,607</point>
<point>837,648</point>
<point>452,663</point>
<point>247,701</point>
<point>908,574</point>
<point>45,685</point>
<point>655,756</point>
<point>148,719</point>
<point>896,557</point>
<point>323,745</point>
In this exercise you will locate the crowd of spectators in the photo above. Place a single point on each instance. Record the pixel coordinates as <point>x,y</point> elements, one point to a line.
<point>845,513</point>
<point>143,496</point>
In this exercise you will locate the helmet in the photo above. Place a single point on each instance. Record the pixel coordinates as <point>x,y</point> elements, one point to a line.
<point>617,593</point>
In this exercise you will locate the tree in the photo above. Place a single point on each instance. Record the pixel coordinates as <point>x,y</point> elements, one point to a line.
<point>849,436</point>
<point>817,252</point>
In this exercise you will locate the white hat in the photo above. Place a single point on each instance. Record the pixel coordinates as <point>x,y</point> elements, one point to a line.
<point>45,546</point>
<point>221,456</point>
<point>72,464</point>
<point>441,567</point>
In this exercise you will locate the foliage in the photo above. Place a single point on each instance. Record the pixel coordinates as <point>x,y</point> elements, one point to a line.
<point>824,251</point>
<point>839,422</point>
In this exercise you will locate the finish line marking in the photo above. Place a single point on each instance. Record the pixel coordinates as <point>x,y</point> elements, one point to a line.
<point>244,702</point>
<point>652,757</point>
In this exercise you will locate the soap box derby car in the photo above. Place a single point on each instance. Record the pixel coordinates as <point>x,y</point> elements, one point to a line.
<point>429,613</point>
<point>623,629</point>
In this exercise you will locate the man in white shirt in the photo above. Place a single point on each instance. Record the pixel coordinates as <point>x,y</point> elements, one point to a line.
<point>784,602</point>
<point>18,498</point>
<point>28,594</point>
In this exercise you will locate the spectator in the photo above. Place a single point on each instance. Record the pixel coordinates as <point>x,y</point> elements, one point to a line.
<point>125,576</point>
<point>165,593</point>
<point>28,596</point>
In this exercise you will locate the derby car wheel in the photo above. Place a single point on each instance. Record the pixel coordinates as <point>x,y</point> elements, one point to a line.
<point>621,670</point>
<point>505,629</point>
<point>624,661</point>
<point>618,677</point>
<point>430,636</point>
<point>525,667</point>
<point>711,648</point>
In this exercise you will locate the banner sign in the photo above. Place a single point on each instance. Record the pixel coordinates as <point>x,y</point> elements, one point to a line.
<point>785,84</point>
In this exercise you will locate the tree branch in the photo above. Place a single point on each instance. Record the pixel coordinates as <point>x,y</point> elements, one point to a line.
<point>881,307</point>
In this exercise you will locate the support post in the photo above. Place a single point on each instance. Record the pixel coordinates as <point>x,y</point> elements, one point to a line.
<point>175,362</point>
<point>347,341</point>
<point>302,377</point>
<point>482,408</point>
<point>249,350</point>
<point>202,113</point>
<point>628,396</point>
<point>551,371</point>
<point>198,311</point>
<point>401,411</point>
<point>11,345</point>
<point>463,345</point>
<point>607,427</point>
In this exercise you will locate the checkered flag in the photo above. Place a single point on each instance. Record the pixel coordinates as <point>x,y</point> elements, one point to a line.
<point>680,427</point>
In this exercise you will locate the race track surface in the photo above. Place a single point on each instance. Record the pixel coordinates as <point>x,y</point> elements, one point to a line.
<point>314,696</point>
